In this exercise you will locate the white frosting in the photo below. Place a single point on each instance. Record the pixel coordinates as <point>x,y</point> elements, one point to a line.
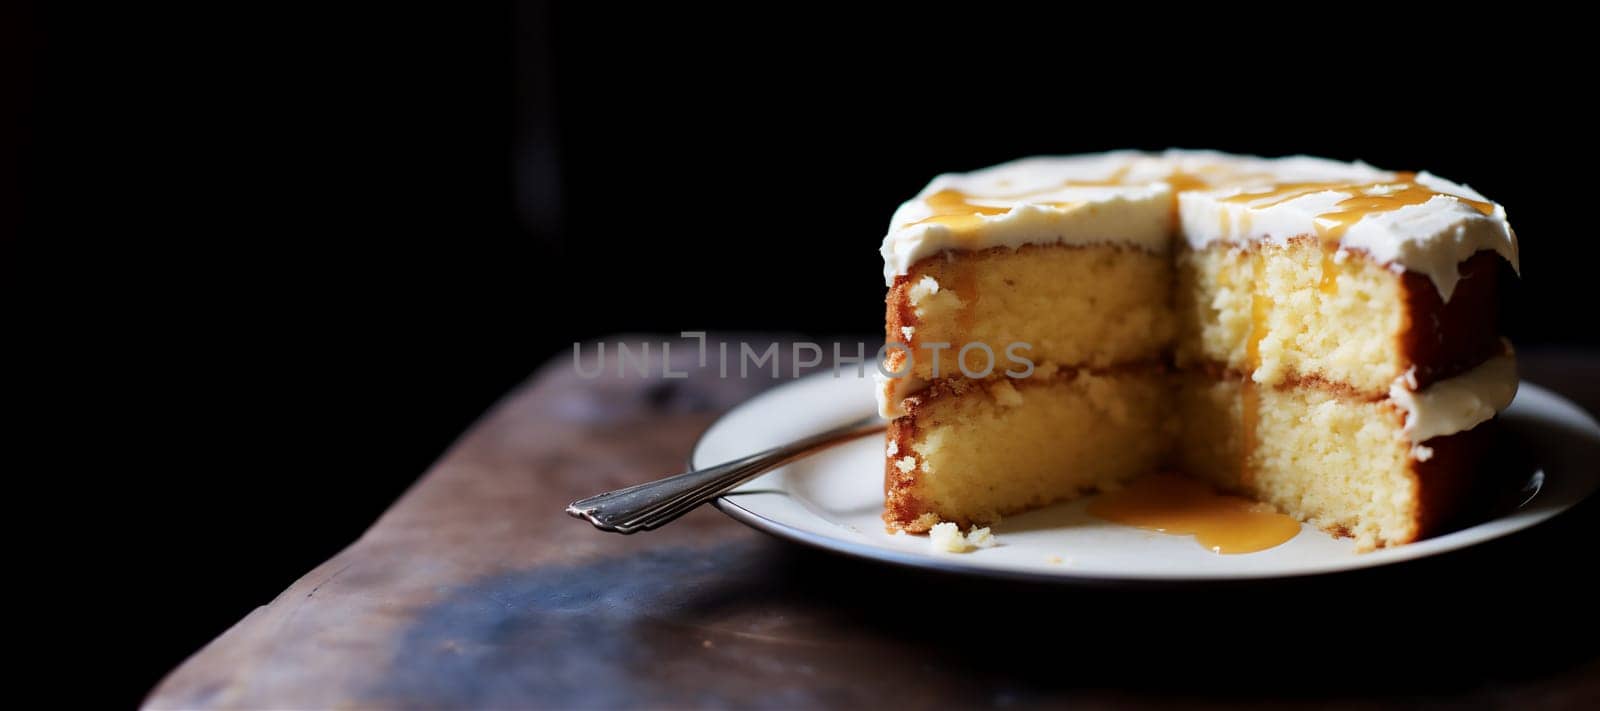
<point>1430,238</point>
<point>1457,404</point>
<point>1041,211</point>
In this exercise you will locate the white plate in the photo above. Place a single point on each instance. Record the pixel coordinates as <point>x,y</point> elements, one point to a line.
<point>833,501</point>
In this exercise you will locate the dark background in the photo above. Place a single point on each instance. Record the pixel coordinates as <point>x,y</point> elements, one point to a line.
<point>293,254</point>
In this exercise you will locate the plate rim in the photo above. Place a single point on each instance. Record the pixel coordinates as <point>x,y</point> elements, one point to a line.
<point>729,505</point>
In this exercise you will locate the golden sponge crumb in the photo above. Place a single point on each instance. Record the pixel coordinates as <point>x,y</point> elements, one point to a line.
<point>1337,462</point>
<point>1092,306</point>
<point>930,302</point>
<point>981,455</point>
<point>1335,318</point>
<point>981,538</point>
<point>946,537</point>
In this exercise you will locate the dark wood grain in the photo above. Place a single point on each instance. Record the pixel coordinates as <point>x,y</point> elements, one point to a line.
<point>475,590</point>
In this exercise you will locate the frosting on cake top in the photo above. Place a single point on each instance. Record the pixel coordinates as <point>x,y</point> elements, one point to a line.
<point>1417,222</point>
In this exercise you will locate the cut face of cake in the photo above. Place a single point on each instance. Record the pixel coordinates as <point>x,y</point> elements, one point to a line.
<point>1317,335</point>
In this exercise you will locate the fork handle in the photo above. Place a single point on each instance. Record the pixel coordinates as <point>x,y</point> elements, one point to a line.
<point>650,505</point>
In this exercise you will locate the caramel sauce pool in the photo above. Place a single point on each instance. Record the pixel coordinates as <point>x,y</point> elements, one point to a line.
<point>1172,504</point>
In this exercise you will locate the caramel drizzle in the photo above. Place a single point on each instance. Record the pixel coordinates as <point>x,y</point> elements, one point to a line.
<point>961,211</point>
<point>1367,199</point>
<point>957,210</point>
<point>964,212</point>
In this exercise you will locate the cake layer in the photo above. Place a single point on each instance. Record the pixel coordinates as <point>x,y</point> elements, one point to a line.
<point>1294,310</point>
<point>1091,306</point>
<point>969,452</point>
<point>1341,462</point>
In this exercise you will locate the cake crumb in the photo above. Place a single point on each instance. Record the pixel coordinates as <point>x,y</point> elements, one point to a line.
<point>1053,559</point>
<point>1421,453</point>
<point>929,300</point>
<point>946,537</point>
<point>981,538</point>
<point>906,463</point>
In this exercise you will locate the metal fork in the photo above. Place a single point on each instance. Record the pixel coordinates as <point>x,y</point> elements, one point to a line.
<point>653,504</point>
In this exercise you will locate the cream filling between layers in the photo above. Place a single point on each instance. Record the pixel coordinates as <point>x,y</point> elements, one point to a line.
<point>1457,404</point>
<point>1443,408</point>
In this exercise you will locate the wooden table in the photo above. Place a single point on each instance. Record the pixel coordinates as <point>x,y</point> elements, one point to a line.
<point>475,590</point>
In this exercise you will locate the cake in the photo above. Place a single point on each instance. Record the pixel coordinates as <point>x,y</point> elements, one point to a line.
<point>1317,335</point>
